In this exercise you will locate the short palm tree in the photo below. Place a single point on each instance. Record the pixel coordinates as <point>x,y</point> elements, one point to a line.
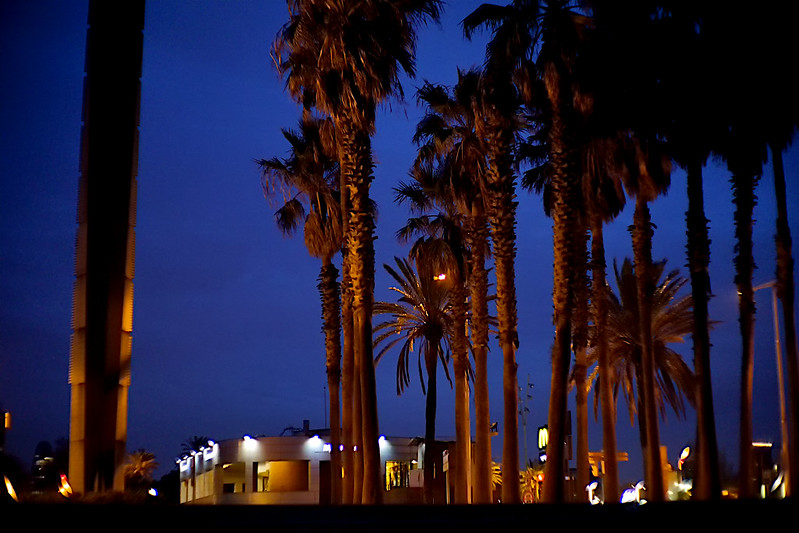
<point>672,321</point>
<point>194,443</point>
<point>138,470</point>
<point>421,320</point>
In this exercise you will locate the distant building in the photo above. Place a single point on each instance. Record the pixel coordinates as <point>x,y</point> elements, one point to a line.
<point>295,469</point>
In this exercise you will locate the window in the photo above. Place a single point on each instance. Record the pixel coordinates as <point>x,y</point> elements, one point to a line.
<point>397,474</point>
<point>282,476</point>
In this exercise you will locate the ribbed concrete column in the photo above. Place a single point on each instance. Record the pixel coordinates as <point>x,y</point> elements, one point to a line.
<point>102,321</point>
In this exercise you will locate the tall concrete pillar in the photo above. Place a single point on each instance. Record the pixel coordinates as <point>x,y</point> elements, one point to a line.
<point>102,315</point>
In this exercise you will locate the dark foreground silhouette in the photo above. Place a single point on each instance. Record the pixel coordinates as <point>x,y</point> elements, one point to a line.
<point>727,515</point>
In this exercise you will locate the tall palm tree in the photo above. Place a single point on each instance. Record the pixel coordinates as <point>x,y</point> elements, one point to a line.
<point>345,57</point>
<point>671,321</point>
<point>499,125</point>
<point>687,99</point>
<point>421,319</point>
<point>536,41</point>
<point>449,144</point>
<point>309,176</point>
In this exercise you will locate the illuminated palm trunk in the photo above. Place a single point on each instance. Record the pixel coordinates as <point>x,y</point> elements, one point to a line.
<point>356,170</point>
<point>564,199</point>
<point>478,286</point>
<point>502,217</point>
<point>460,356</point>
<point>347,361</point>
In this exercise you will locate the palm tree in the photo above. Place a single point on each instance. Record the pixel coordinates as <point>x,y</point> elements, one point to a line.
<point>439,252</point>
<point>308,176</point>
<point>604,197</point>
<point>344,57</point>
<point>421,318</point>
<point>646,186</point>
<point>138,470</point>
<point>547,33</point>
<point>447,138</point>
<point>671,321</point>
<point>194,444</point>
<point>499,123</point>
<point>687,100</point>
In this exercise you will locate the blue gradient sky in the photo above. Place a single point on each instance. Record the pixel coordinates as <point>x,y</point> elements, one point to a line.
<point>227,328</point>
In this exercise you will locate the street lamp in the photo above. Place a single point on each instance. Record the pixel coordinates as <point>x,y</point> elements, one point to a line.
<point>778,351</point>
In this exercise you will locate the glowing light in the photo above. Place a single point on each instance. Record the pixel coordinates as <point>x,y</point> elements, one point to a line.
<point>210,452</point>
<point>152,492</point>
<point>64,488</point>
<point>593,498</point>
<point>327,447</point>
<point>10,489</point>
<point>440,277</point>
<point>249,442</point>
<point>683,456</point>
<point>633,495</point>
<point>777,483</point>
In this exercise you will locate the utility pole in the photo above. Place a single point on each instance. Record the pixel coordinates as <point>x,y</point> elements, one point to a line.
<point>525,394</point>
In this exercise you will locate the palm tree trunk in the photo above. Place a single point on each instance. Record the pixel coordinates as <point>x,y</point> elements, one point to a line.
<point>785,292</point>
<point>610,482</point>
<point>564,198</point>
<point>357,433</point>
<point>348,363</point>
<point>356,167</point>
<point>503,221</point>
<point>641,415</point>
<point>431,364</point>
<point>478,286</point>
<point>329,290</point>
<point>642,250</point>
<point>460,356</point>
<point>743,185</point>
<point>580,344</point>
<point>708,481</point>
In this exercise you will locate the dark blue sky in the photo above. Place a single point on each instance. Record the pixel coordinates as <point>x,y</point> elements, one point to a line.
<point>227,322</point>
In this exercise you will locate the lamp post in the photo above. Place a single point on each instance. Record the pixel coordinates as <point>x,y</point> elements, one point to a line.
<point>778,351</point>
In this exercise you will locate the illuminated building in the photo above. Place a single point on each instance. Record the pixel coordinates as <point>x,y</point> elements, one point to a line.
<point>291,469</point>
